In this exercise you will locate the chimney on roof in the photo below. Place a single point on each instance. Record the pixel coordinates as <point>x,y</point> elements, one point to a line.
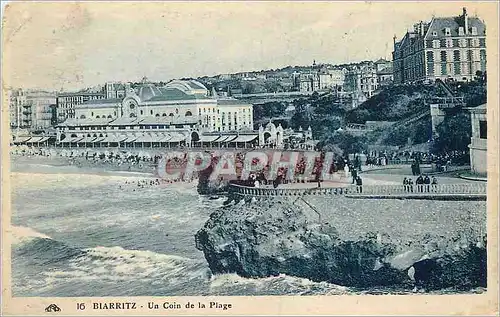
<point>466,22</point>
<point>422,31</point>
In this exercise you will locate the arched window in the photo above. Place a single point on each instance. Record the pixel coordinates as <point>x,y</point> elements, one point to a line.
<point>157,115</point>
<point>100,135</point>
<point>176,111</point>
<point>73,135</point>
<point>109,117</point>
<point>151,112</point>
<point>92,114</point>
<point>164,115</point>
<point>97,117</point>
<point>132,115</point>
<point>170,114</point>
<point>188,114</point>
<point>82,116</point>
<point>142,112</point>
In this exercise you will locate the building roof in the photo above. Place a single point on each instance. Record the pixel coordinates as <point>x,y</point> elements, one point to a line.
<point>71,122</point>
<point>150,120</point>
<point>231,102</point>
<point>82,93</point>
<point>385,71</point>
<point>175,94</point>
<point>188,86</point>
<point>453,23</point>
<point>147,92</point>
<point>100,102</point>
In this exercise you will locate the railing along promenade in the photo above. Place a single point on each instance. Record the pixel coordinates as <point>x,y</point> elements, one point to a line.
<point>365,190</point>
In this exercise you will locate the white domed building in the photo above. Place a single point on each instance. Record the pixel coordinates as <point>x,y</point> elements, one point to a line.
<point>182,112</point>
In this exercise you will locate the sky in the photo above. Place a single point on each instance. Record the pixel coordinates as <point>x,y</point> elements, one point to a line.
<point>68,46</point>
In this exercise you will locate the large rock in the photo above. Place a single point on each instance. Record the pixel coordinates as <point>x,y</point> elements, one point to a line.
<point>267,238</point>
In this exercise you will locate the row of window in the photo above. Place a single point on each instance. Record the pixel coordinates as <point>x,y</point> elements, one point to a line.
<point>440,43</point>
<point>134,127</point>
<point>75,99</point>
<point>458,55</point>
<point>461,31</point>
<point>463,43</point>
<point>456,68</point>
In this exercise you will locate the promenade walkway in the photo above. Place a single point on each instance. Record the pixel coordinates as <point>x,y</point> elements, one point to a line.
<point>457,191</point>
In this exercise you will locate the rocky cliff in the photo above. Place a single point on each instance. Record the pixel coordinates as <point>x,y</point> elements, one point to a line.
<point>271,237</point>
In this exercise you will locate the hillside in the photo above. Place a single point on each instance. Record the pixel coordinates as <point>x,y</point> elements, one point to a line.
<point>405,105</point>
<point>399,102</point>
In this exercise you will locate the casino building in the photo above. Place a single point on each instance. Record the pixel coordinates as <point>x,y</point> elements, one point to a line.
<point>181,113</point>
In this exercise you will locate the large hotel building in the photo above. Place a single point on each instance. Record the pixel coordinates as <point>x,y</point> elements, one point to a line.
<point>444,48</point>
<point>179,113</point>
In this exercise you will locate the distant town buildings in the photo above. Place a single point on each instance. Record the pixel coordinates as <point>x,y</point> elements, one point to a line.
<point>325,78</point>
<point>66,102</point>
<point>384,72</point>
<point>31,109</point>
<point>444,48</point>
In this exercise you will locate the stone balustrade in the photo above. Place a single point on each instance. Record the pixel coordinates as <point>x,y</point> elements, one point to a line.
<point>382,190</point>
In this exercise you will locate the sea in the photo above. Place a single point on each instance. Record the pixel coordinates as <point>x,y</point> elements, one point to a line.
<point>85,233</point>
<point>88,232</point>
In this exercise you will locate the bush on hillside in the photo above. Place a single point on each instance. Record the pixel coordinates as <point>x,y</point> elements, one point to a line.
<point>454,134</point>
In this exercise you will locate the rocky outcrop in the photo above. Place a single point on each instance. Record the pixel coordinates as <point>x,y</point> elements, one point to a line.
<point>207,186</point>
<point>272,237</point>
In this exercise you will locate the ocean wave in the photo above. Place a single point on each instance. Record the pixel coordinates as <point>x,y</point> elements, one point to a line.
<point>231,283</point>
<point>20,234</point>
<point>118,264</point>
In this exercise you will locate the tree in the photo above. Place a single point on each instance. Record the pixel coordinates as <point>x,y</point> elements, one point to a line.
<point>454,134</point>
<point>346,142</point>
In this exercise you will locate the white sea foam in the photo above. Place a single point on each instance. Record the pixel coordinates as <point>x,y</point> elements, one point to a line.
<point>21,234</point>
<point>294,285</point>
<point>118,264</point>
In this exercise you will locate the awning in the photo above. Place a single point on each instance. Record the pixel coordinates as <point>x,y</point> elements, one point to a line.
<point>143,138</point>
<point>35,139</point>
<point>44,139</point>
<point>71,140</point>
<point>222,138</point>
<point>114,139</point>
<point>166,138</point>
<point>208,138</point>
<point>231,138</point>
<point>245,138</point>
<point>130,139</point>
<point>88,139</point>
<point>99,139</point>
<point>21,140</point>
<point>177,138</point>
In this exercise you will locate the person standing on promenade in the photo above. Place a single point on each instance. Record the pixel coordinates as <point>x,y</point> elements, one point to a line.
<point>410,184</point>
<point>427,182</point>
<point>354,174</point>
<point>346,170</point>
<point>359,184</point>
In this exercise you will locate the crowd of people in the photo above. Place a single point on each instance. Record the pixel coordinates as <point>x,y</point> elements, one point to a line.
<point>442,160</point>
<point>347,167</point>
<point>423,183</point>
